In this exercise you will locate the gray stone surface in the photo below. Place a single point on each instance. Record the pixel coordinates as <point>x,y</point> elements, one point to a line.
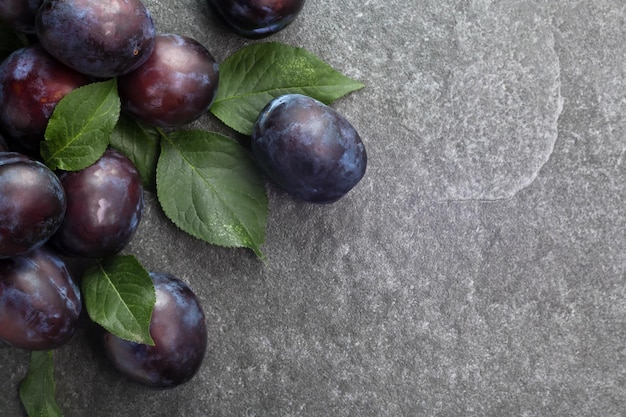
<point>479,269</point>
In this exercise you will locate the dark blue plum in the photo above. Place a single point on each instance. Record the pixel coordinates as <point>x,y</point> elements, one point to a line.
<point>256,19</point>
<point>179,332</point>
<point>32,204</point>
<point>19,14</point>
<point>308,148</point>
<point>104,207</point>
<point>174,87</point>
<point>40,304</point>
<point>32,82</point>
<point>99,38</point>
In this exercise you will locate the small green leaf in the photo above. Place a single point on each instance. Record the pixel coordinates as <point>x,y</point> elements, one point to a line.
<point>254,75</point>
<point>210,188</point>
<point>10,41</point>
<point>37,390</point>
<point>140,144</point>
<point>80,128</point>
<point>119,296</point>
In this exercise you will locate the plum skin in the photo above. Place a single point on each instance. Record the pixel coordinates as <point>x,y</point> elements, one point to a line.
<point>175,86</point>
<point>40,304</point>
<point>105,203</point>
<point>257,19</point>
<point>308,149</point>
<point>32,82</point>
<point>102,39</point>
<point>32,204</point>
<point>179,332</point>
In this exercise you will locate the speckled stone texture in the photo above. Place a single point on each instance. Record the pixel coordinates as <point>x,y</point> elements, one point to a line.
<point>479,269</point>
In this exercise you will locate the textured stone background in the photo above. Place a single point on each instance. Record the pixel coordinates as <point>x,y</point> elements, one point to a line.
<point>479,269</point>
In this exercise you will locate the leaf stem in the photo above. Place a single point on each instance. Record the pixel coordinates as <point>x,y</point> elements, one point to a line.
<point>162,133</point>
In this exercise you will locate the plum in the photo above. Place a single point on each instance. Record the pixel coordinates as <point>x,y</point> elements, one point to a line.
<point>105,203</point>
<point>32,204</point>
<point>20,14</point>
<point>40,304</point>
<point>308,148</point>
<point>103,39</point>
<point>32,82</point>
<point>257,19</point>
<point>174,87</point>
<point>179,332</point>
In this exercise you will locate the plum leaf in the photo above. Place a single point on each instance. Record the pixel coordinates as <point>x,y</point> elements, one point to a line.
<point>140,143</point>
<point>81,125</point>
<point>37,390</point>
<point>209,186</point>
<point>254,75</point>
<point>119,296</point>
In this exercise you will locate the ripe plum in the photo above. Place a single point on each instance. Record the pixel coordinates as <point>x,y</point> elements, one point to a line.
<point>174,87</point>
<point>308,148</point>
<point>179,332</point>
<point>32,204</point>
<point>40,304</point>
<point>20,14</point>
<point>32,82</point>
<point>104,206</point>
<point>98,38</point>
<point>257,18</point>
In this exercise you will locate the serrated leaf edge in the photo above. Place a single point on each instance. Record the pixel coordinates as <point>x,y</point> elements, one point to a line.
<point>130,335</point>
<point>255,248</point>
<point>353,85</point>
<point>53,158</point>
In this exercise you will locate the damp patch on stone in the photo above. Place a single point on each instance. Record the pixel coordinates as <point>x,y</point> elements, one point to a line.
<point>486,122</point>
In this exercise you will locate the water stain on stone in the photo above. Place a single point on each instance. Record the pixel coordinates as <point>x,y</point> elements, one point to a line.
<point>501,106</point>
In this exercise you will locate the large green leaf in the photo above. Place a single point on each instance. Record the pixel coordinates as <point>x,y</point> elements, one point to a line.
<point>37,390</point>
<point>254,75</point>
<point>210,188</point>
<point>80,128</point>
<point>119,295</point>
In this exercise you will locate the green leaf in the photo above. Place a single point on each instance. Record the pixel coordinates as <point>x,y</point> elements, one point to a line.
<point>210,188</point>
<point>10,41</point>
<point>81,125</point>
<point>119,296</point>
<point>141,145</point>
<point>254,75</point>
<point>37,390</point>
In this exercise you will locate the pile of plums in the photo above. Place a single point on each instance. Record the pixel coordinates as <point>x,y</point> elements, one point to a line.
<point>47,218</point>
<point>164,80</point>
